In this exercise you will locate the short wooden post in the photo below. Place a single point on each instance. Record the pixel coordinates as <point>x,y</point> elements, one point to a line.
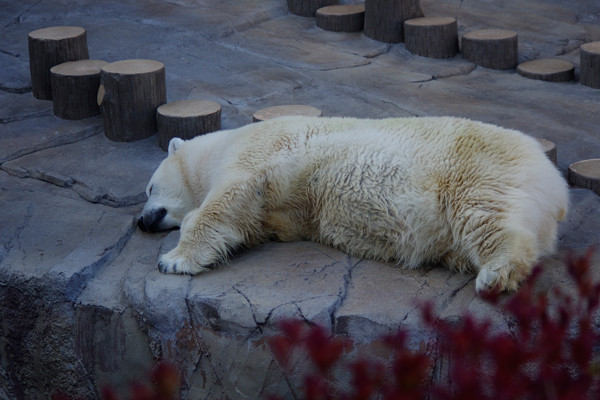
<point>49,47</point>
<point>186,119</point>
<point>279,111</point>
<point>491,48</point>
<point>342,18</point>
<point>590,65</point>
<point>548,69</point>
<point>586,174</point>
<point>431,37</point>
<point>129,94</point>
<point>384,19</point>
<point>74,88</point>
<point>307,8</point>
<point>549,149</point>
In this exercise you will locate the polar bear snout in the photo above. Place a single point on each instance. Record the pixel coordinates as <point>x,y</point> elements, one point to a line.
<point>151,221</point>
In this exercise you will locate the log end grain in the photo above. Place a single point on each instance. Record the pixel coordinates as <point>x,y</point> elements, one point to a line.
<point>491,48</point>
<point>550,69</point>
<point>549,149</point>
<point>133,67</point>
<point>341,18</point>
<point>431,21</point>
<point>279,111</point>
<point>491,34</point>
<point>74,88</point>
<point>189,108</point>
<point>79,68</point>
<point>590,65</point>
<point>55,33</point>
<point>187,119</point>
<point>435,37</point>
<point>591,47</point>
<point>586,174</point>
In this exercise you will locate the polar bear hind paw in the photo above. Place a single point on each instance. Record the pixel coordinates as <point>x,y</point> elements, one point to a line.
<point>500,279</point>
<point>173,263</point>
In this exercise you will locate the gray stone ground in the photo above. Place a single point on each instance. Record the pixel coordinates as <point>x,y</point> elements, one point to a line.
<point>82,303</point>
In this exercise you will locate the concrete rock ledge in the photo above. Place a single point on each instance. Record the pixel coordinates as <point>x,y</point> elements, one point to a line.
<point>82,304</point>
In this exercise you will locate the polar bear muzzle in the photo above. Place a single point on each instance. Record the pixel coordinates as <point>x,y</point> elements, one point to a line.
<point>151,221</point>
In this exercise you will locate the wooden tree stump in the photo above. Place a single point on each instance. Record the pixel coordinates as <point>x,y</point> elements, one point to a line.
<point>342,18</point>
<point>52,46</point>
<point>550,69</point>
<point>491,48</point>
<point>307,8</point>
<point>279,111</point>
<point>431,37</point>
<point>586,174</point>
<point>129,94</point>
<point>74,88</point>
<point>590,65</point>
<point>186,119</point>
<point>549,149</point>
<point>384,19</point>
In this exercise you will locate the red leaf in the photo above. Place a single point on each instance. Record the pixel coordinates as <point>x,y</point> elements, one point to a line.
<point>323,350</point>
<point>165,378</point>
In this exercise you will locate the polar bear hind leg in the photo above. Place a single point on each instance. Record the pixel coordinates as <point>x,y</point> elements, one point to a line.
<point>492,240</point>
<point>526,230</point>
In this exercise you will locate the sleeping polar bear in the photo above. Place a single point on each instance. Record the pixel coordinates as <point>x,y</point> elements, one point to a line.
<point>468,195</point>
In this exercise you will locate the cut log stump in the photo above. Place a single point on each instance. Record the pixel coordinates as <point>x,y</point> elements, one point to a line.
<point>52,46</point>
<point>550,69</point>
<point>342,18</point>
<point>586,174</point>
<point>129,94</point>
<point>384,19</point>
<point>186,119</point>
<point>308,8</point>
<point>431,37</point>
<point>74,88</point>
<point>279,111</point>
<point>491,48</point>
<point>549,149</point>
<point>590,65</point>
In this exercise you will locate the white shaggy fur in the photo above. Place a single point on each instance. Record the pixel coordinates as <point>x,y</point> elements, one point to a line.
<point>469,195</point>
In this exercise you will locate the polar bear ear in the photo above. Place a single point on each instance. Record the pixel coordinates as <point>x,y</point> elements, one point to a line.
<point>174,144</point>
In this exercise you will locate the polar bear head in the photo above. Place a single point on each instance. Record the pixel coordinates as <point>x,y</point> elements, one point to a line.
<point>169,194</point>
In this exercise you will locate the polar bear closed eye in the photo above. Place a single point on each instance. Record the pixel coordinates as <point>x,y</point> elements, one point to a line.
<point>471,196</point>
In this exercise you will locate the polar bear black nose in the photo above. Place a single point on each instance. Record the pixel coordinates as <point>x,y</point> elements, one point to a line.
<point>150,221</point>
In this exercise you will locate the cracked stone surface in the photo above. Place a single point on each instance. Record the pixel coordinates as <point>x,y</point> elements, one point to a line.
<point>82,304</point>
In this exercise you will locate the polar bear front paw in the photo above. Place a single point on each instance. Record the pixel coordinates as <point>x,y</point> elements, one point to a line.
<point>175,263</point>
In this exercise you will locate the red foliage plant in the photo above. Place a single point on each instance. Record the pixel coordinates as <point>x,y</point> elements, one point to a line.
<point>165,386</point>
<point>553,354</point>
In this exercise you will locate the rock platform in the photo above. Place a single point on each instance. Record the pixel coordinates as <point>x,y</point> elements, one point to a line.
<point>82,304</point>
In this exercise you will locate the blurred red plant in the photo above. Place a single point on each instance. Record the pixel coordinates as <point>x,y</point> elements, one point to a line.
<point>553,354</point>
<point>165,380</point>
